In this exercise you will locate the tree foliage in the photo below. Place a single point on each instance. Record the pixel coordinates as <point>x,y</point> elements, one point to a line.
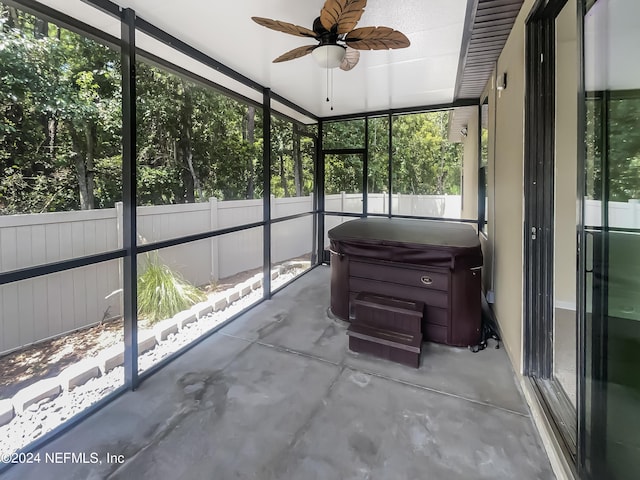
<point>292,159</point>
<point>424,161</point>
<point>60,134</point>
<point>60,110</point>
<point>60,130</point>
<point>612,135</point>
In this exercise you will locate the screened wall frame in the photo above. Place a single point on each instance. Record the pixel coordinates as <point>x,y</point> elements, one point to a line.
<point>130,250</point>
<point>390,114</point>
<point>312,133</point>
<point>135,23</point>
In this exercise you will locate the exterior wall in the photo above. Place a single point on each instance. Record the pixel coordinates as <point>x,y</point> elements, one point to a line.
<point>566,153</point>
<point>506,183</point>
<point>506,186</point>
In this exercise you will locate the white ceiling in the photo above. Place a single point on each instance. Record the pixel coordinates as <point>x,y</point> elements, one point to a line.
<point>423,74</point>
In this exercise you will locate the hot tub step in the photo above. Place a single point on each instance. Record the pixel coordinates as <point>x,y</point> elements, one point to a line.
<point>398,347</point>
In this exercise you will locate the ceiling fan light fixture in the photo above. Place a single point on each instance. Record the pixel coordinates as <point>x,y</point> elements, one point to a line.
<point>329,56</point>
<point>337,23</point>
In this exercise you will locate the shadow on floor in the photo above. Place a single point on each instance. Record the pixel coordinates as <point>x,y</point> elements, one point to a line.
<point>277,395</point>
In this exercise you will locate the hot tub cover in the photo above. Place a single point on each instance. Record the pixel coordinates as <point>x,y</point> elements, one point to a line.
<point>421,242</point>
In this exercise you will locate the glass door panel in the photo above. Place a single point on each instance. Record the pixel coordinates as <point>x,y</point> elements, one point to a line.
<point>612,226</point>
<point>343,182</point>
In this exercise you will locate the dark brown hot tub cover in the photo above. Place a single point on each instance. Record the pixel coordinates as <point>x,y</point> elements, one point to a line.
<point>420,242</point>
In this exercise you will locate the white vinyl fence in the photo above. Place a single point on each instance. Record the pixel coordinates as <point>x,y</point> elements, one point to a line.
<point>444,206</point>
<point>621,214</point>
<point>39,308</point>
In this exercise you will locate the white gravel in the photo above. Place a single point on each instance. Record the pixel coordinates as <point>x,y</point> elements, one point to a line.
<point>49,413</point>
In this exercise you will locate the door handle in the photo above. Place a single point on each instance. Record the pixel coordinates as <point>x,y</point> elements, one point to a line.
<point>588,238</point>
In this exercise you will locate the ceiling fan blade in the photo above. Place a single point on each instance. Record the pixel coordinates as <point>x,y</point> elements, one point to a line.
<point>376,38</point>
<point>285,27</point>
<point>295,53</point>
<point>351,58</point>
<point>342,14</point>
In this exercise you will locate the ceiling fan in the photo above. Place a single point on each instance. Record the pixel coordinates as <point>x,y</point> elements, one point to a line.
<point>339,41</point>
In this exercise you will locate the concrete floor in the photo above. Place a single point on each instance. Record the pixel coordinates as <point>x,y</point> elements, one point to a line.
<point>278,395</point>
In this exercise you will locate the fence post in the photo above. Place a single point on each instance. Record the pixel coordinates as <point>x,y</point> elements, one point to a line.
<point>119,222</point>
<point>634,206</point>
<point>213,225</point>
<point>342,198</point>
<point>272,199</point>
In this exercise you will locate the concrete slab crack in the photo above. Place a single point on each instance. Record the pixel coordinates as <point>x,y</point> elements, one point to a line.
<point>277,466</point>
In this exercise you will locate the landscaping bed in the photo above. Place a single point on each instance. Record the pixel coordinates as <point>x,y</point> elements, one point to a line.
<point>46,384</point>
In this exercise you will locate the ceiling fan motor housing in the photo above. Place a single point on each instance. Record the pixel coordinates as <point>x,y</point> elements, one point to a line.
<point>324,36</point>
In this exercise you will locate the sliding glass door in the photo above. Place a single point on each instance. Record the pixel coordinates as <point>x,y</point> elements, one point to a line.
<point>612,234</point>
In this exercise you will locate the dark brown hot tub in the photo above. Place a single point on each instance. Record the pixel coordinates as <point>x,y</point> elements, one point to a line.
<point>437,263</point>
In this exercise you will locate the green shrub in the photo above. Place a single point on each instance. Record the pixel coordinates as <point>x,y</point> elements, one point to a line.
<point>162,293</point>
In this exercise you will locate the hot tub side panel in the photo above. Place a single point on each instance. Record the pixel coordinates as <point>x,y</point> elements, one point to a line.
<point>340,286</point>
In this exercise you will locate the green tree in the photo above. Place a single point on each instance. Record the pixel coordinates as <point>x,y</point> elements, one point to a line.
<point>60,111</point>
<point>621,149</point>
<point>378,174</point>
<point>193,142</point>
<point>424,161</point>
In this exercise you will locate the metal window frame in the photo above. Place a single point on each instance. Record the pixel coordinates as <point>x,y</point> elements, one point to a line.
<point>320,196</point>
<point>266,194</point>
<point>365,170</point>
<point>390,169</point>
<point>538,193</point>
<point>320,168</point>
<point>463,102</point>
<point>129,221</point>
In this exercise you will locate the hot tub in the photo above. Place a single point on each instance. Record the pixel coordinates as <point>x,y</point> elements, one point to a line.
<point>437,263</point>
